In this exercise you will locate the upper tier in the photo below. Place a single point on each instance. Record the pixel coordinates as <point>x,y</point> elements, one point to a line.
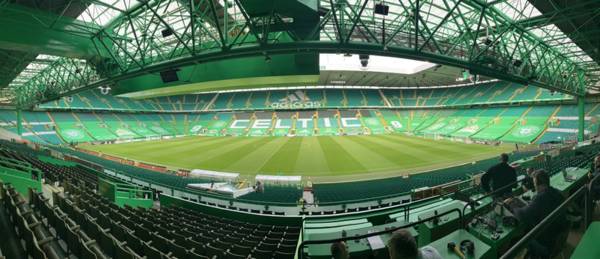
<point>489,93</point>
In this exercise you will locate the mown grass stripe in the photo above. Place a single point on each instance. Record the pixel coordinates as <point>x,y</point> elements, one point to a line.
<point>362,153</point>
<point>402,147</point>
<point>311,159</point>
<point>438,145</point>
<point>235,154</point>
<point>338,159</point>
<point>257,158</point>
<point>400,153</point>
<point>283,161</point>
<point>193,153</point>
<point>322,157</point>
<point>198,157</point>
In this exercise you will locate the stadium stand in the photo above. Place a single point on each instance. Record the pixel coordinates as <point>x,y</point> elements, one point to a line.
<point>373,98</point>
<point>84,120</point>
<point>40,242</point>
<point>384,188</point>
<point>511,124</point>
<point>305,123</point>
<point>372,121</point>
<point>489,93</point>
<point>122,231</point>
<point>85,223</point>
<point>284,123</point>
<point>530,125</point>
<point>78,200</point>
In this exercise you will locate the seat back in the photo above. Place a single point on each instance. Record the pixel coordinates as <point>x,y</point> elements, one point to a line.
<point>560,240</point>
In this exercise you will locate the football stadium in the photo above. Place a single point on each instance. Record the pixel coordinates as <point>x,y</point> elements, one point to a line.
<point>299,129</point>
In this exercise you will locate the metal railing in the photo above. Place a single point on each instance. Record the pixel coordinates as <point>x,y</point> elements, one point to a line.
<point>584,192</point>
<point>591,196</point>
<point>300,249</point>
<point>473,203</point>
<point>533,233</point>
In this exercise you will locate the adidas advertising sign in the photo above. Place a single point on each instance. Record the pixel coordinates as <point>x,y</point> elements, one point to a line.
<point>295,100</point>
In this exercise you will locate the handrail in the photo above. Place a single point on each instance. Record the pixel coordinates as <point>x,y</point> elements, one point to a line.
<point>25,168</point>
<point>515,249</point>
<point>497,191</point>
<point>490,194</point>
<point>590,200</point>
<point>241,200</point>
<point>355,201</point>
<point>300,248</point>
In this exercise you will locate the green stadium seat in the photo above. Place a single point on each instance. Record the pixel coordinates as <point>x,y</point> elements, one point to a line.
<point>107,243</point>
<point>241,249</point>
<point>214,251</point>
<point>283,255</point>
<point>134,242</point>
<point>151,252</point>
<point>194,255</point>
<point>231,255</point>
<point>125,253</point>
<point>258,253</point>
<point>178,251</point>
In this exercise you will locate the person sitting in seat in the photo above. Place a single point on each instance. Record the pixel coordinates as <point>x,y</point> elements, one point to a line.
<point>499,176</point>
<point>594,171</point>
<point>543,204</point>
<point>528,181</point>
<point>339,250</point>
<point>402,245</point>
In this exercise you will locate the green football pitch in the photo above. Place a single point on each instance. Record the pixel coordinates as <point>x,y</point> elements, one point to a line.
<point>323,158</point>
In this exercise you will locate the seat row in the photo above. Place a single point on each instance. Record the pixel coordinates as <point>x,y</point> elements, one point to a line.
<point>67,228</point>
<point>39,242</point>
<point>161,234</point>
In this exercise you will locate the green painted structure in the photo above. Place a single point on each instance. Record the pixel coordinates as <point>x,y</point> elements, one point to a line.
<point>125,194</point>
<point>581,119</point>
<point>141,39</point>
<point>20,175</point>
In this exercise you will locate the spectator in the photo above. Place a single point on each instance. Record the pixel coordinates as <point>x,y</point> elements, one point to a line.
<point>499,176</point>
<point>528,181</point>
<point>594,172</point>
<point>339,250</point>
<point>259,187</point>
<point>402,245</point>
<point>546,200</point>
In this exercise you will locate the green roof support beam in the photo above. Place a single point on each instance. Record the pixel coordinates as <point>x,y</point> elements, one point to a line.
<point>19,122</point>
<point>471,34</point>
<point>322,47</point>
<point>581,119</point>
<point>33,31</point>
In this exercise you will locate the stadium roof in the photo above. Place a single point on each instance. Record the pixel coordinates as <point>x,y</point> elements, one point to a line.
<point>57,49</point>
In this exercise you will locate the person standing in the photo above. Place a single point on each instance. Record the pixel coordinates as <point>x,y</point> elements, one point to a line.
<point>500,178</point>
